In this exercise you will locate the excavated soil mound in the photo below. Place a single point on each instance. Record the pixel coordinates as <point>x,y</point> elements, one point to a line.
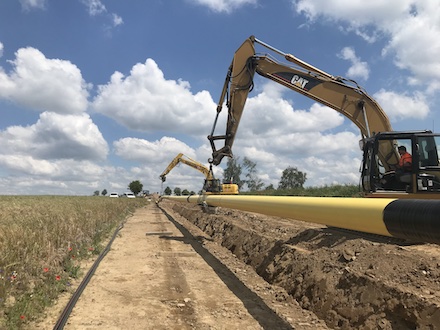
<point>350,280</point>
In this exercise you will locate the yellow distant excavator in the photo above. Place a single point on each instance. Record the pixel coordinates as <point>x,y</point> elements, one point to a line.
<point>379,143</point>
<point>211,185</point>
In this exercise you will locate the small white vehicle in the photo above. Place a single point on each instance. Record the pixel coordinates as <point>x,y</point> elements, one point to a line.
<point>114,195</point>
<point>129,195</point>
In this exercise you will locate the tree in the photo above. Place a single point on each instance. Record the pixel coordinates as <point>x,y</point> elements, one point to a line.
<point>96,193</point>
<point>292,178</point>
<point>269,187</point>
<point>177,191</point>
<point>104,192</point>
<point>232,172</point>
<point>185,192</point>
<point>135,187</point>
<point>253,182</point>
<point>167,191</point>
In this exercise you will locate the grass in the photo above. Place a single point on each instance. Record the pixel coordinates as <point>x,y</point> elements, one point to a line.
<point>42,240</point>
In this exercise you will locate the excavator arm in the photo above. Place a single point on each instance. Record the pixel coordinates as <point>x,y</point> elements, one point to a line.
<point>200,167</point>
<point>211,185</point>
<point>173,164</point>
<point>340,94</point>
<point>181,158</point>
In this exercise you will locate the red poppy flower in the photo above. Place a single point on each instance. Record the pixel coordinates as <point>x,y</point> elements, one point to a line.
<point>45,269</point>
<point>58,277</point>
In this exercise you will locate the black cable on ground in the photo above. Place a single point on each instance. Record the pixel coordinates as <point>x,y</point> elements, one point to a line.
<point>69,307</point>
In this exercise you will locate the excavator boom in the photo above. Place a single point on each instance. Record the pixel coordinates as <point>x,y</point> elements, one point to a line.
<point>342,95</point>
<point>181,158</point>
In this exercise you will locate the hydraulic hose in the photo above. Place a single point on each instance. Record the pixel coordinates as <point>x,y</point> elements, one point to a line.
<point>72,302</point>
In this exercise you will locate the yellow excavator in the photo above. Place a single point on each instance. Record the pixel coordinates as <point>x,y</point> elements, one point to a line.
<point>211,185</point>
<point>380,171</point>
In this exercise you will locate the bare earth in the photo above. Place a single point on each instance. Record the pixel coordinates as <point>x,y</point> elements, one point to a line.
<point>176,267</point>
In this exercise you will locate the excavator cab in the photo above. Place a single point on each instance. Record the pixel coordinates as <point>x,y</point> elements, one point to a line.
<point>382,175</point>
<point>212,186</point>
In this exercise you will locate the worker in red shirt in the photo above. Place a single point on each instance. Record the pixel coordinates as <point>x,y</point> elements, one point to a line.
<point>405,161</point>
<point>403,171</point>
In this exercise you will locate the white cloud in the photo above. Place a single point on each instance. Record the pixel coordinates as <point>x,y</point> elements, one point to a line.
<point>65,177</point>
<point>31,4</point>
<point>341,170</point>
<point>1,49</point>
<point>358,69</point>
<point>268,113</point>
<point>326,158</point>
<point>67,170</point>
<point>146,101</point>
<point>55,136</point>
<point>117,20</point>
<point>225,6</point>
<point>356,12</point>
<point>417,46</point>
<point>94,7</point>
<point>59,154</point>
<point>401,106</point>
<point>156,152</point>
<point>302,144</point>
<point>44,84</point>
<point>411,26</point>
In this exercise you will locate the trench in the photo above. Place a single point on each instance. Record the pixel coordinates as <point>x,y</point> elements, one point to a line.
<point>309,265</point>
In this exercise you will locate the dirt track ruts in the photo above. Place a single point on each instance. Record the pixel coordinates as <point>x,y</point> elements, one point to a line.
<point>162,272</point>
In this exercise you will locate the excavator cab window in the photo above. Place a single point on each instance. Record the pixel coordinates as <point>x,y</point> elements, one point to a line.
<point>428,154</point>
<point>383,170</point>
<point>389,175</point>
<point>428,176</point>
<point>212,186</point>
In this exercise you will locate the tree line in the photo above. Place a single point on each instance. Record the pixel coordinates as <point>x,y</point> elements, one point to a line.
<point>178,192</point>
<point>135,187</point>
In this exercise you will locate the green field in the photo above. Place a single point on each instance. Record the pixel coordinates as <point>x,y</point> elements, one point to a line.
<point>42,241</point>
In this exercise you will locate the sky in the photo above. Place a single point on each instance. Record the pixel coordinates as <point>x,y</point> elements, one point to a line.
<point>95,94</point>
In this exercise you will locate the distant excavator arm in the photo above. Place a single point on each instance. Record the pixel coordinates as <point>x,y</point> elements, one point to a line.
<point>181,158</point>
<point>340,94</point>
<point>211,185</point>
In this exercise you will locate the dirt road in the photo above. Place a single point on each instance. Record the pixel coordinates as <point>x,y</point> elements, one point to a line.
<point>176,267</point>
<point>163,272</point>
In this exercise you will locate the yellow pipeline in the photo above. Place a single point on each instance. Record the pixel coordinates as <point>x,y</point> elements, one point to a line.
<point>359,214</point>
<point>415,220</point>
